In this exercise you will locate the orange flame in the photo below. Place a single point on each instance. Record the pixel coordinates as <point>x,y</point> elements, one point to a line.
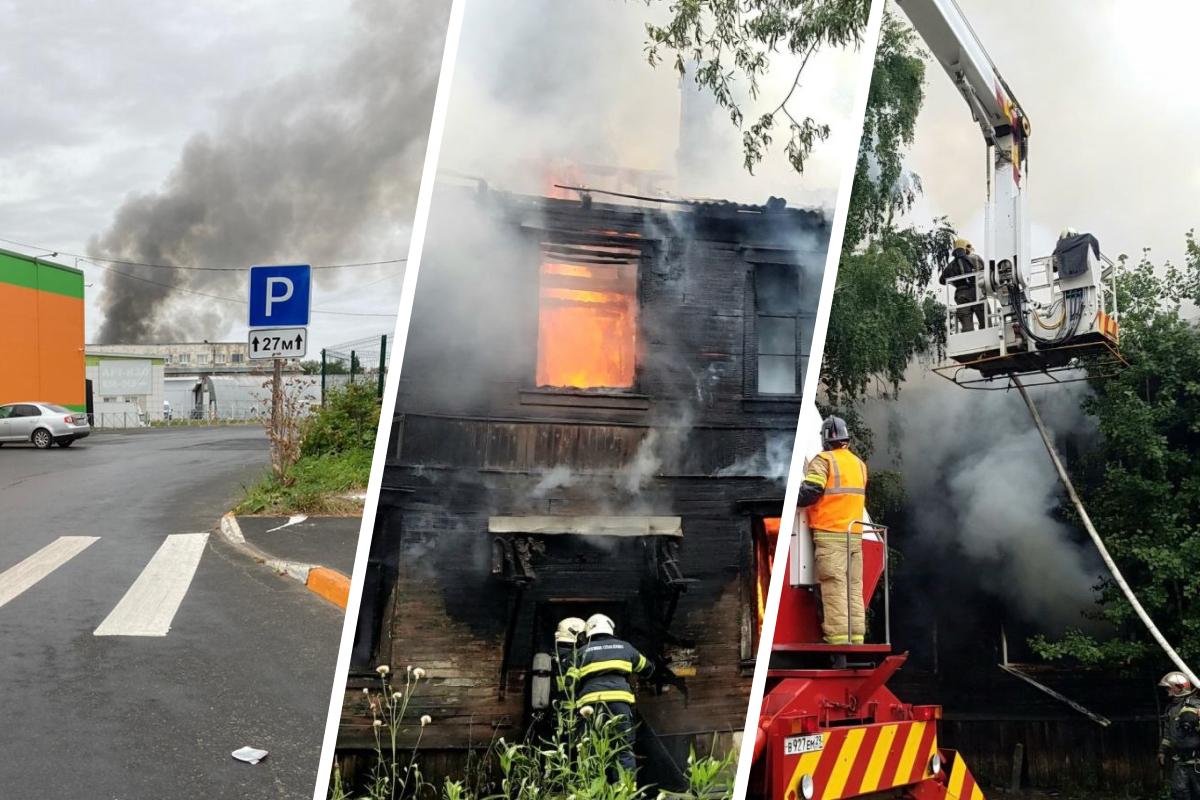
<point>764,557</point>
<point>587,331</point>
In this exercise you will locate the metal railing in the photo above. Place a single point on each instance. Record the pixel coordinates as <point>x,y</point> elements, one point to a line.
<point>881,531</point>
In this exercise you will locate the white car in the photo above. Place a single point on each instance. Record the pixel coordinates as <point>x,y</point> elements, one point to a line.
<point>44,424</point>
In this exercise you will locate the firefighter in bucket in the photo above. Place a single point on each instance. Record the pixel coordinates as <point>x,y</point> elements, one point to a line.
<point>835,492</point>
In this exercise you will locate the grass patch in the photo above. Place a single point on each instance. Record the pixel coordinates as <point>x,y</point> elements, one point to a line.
<point>316,485</point>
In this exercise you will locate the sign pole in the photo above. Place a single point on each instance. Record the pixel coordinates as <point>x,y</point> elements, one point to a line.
<point>276,399</point>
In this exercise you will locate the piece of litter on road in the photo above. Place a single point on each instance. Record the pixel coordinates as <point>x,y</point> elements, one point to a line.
<point>295,519</point>
<point>251,755</point>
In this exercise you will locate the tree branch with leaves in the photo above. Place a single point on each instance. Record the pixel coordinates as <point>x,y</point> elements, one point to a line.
<point>727,44</point>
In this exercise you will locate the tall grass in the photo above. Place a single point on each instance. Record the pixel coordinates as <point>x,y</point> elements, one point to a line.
<point>577,760</point>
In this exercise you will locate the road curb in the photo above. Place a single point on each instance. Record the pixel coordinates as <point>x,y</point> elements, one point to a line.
<point>327,583</point>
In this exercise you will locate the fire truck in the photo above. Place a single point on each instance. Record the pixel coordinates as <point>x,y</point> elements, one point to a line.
<point>829,727</point>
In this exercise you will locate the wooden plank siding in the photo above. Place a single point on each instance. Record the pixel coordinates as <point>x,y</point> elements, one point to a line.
<point>473,437</point>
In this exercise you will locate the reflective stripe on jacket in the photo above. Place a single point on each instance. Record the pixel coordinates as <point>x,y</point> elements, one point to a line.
<point>845,498</point>
<point>602,669</point>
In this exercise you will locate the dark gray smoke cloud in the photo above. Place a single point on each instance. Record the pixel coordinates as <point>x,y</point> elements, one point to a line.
<point>981,487</point>
<point>317,168</point>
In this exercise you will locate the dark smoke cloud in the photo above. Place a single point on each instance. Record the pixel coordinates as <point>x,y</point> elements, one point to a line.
<point>318,168</point>
<point>983,493</point>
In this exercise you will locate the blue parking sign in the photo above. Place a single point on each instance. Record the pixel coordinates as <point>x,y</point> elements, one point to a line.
<point>280,295</point>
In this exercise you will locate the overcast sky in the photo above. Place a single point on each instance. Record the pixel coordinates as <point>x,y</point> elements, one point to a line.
<point>1109,87</point>
<point>101,99</point>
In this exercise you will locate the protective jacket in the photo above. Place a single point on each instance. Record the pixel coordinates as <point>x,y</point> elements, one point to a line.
<point>841,500</point>
<point>564,661</point>
<point>962,264</point>
<point>602,669</point>
<point>1181,730</point>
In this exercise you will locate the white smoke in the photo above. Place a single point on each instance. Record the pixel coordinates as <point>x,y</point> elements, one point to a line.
<point>773,462</point>
<point>547,82</point>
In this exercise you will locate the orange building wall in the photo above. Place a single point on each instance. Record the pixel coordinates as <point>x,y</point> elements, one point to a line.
<point>41,333</point>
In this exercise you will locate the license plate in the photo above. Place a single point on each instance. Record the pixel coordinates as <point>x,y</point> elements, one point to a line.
<point>797,745</point>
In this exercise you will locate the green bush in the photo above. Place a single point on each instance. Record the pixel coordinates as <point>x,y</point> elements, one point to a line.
<point>346,422</point>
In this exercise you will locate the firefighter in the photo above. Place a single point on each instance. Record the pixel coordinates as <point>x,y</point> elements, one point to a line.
<point>965,262</point>
<point>1180,746</point>
<point>835,492</point>
<point>567,643</point>
<point>601,673</point>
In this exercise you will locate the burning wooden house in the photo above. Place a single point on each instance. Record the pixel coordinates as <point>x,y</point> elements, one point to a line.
<point>595,413</point>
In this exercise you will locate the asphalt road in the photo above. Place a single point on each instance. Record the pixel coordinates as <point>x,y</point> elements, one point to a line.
<point>248,659</point>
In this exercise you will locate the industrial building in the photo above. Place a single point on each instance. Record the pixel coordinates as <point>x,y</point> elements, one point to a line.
<point>182,357</point>
<point>41,331</point>
<point>595,413</point>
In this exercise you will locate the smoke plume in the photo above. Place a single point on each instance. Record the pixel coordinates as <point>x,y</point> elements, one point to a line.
<point>981,488</point>
<point>318,168</point>
<point>545,89</point>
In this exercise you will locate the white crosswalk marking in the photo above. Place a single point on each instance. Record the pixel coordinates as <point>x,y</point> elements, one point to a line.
<point>16,579</point>
<point>151,602</point>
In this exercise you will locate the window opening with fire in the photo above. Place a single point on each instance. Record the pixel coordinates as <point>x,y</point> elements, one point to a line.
<point>587,316</point>
<point>784,329</point>
<point>766,535</point>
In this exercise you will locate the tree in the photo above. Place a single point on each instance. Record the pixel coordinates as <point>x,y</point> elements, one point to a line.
<point>883,314</point>
<point>725,43</point>
<point>1141,480</point>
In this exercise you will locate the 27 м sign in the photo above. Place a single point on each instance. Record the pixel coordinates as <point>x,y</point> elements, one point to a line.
<point>278,342</point>
<point>280,300</point>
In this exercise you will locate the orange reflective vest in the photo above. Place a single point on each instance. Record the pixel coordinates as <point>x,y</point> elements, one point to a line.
<point>845,498</point>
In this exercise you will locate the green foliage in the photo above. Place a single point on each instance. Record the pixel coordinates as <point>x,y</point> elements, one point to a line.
<point>577,759</point>
<point>876,325</point>
<point>314,485</point>
<point>883,313</point>
<point>1141,482</point>
<point>348,421</point>
<point>726,43</point>
<point>893,104</point>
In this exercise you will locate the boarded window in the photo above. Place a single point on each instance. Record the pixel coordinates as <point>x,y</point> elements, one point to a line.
<point>784,331</point>
<point>587,317</point>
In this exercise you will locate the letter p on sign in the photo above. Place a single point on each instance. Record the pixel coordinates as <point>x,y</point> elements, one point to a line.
<point>280,295</point>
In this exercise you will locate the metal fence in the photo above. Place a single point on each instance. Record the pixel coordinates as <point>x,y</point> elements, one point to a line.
<point>226,414</point>
<point>360,361</point>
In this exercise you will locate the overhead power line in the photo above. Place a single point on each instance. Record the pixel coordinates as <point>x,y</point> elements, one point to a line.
<point>125,263</point>
<point>211,296</point>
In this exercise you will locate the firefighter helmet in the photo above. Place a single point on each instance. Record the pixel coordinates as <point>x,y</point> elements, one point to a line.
<point>834,431</point>
<point>1067,233</point>
<point>568,630</point>
<point>599,623</point>
<point>1177,684</point>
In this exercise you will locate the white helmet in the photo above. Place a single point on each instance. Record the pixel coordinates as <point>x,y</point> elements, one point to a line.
<point>1177,684</point>
<point>1067,233</point>
<point>599,623</point>
<point>568,630</point>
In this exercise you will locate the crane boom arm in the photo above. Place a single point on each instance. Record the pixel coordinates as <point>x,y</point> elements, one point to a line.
<point>951,40</point>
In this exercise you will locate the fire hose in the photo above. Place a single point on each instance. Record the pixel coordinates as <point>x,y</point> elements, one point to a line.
<point>1096,540</point>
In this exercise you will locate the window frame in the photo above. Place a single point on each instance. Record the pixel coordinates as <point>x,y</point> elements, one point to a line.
<point>805,325</point>
<point>543,251</point>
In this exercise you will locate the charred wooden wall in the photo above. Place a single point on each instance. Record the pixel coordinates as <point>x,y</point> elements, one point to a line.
<point>987,713</point>
<point>474,437</point>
